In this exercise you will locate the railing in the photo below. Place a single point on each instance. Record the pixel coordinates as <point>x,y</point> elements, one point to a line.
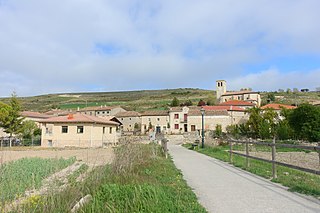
<point>273,145</point>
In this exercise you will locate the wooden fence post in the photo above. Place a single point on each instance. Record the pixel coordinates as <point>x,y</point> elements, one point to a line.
<point>274,169</point>
<point>319,155</point>
<point>230,156</point>
<point>247,153</point>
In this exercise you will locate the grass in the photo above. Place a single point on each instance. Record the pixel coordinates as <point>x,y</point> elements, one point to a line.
<point>295,180</point>
<point>140,179</point>
<point>27,173</point>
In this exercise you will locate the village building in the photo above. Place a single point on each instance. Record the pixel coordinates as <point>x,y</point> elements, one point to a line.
<point>212,118</point>
<point>34,116</point>
<point>158,121</point>
<point>78,130</point>
<point>245,95</point>
<point>102,111</point>
<point>238,103</point>
<point>131,121</point>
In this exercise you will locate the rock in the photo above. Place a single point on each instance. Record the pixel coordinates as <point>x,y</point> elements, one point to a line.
<point>286,173</point>
<point>86,199</point>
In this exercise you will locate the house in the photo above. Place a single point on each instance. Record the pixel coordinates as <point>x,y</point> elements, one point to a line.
<point>238,103</point>
<point>129,120</point>
<point>278,107</point>
<point>78,130</point>
<point>211,119</point>
<point>34,116</point>
<point>102,111</point>
<point>158,120</point>
<point>245,95</point>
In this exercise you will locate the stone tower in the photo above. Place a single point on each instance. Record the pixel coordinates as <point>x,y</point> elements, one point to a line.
<point>221,88</point>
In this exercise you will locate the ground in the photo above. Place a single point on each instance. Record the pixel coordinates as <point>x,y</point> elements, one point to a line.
<point>92,157</point>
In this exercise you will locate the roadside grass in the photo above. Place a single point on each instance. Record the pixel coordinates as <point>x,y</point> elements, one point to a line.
<point>140,179</point>
<point>27,173</point>
<point>295,180</point>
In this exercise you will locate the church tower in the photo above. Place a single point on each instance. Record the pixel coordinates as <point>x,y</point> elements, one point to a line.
<point>221,88</point>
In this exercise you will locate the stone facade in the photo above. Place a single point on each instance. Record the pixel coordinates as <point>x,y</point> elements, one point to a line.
<point>159,120</point>
<point>129,120</point>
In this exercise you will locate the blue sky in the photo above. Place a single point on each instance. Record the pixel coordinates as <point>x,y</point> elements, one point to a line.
<point>105,45</point>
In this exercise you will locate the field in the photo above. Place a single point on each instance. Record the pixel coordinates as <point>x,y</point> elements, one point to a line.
<point>142,100</point>
<point>139,179</point>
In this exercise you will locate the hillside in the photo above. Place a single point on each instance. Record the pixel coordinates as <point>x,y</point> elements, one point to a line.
<point>142,100</point>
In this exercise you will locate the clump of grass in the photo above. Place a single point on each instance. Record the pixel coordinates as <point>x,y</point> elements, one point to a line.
<point>295,180</point>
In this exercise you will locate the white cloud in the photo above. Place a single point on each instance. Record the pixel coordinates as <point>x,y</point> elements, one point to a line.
<point>50,46</point>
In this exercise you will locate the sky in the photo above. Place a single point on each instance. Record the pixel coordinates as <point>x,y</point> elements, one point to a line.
<point>65,46</point>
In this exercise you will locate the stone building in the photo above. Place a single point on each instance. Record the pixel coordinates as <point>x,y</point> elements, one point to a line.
<point>129,120</point>
<point>157,120</point>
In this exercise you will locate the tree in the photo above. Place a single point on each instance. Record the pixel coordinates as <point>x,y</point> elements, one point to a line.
<point>305,121</point>
<point>187,103</point>
<point>295,90</point>
<point>218,130</point>
<point>175,102</point>
<point>254,121</point>
<point>271,97</point>
<point>11,121</point>
<point>150,126</point>
<point>201,103</point>
<point>211,100</point>
<point>29,130</point>
<point>289,91</point>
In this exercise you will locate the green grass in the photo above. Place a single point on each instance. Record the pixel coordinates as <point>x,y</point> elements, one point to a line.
<point>27,173</point>
<point>139,180</point>
<point>295,180</point>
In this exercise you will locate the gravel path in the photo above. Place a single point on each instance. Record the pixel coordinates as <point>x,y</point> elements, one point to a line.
<point>221,187</point>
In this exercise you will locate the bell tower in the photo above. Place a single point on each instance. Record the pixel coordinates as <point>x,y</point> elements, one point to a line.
<point>221,88</point>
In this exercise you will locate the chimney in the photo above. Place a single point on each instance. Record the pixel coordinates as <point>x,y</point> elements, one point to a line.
<point>70,116</point>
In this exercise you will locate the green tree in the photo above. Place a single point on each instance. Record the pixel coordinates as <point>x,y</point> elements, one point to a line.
<point>188,103</point>
<point>11,121</point>
<point>254,121</point>
<point>218,130</point>
<point>305,121</point>
<point>175,102</point>
<point>271,97</point>
<point>211,100</point>
<point>29,130</point>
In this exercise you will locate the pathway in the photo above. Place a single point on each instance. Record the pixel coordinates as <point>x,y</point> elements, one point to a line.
<point>220,187</point>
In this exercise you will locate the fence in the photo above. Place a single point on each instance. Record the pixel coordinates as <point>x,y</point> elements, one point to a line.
<point>273,146</point>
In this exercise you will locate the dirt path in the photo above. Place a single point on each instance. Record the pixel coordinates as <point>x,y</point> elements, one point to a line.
<point>92,157</point>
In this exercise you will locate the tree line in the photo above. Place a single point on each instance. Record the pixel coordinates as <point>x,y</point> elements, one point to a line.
<point>302,123</point>
<point>14,124</point>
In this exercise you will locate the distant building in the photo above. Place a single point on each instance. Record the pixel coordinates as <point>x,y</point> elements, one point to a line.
<point>102,111</point>
<point>129,120</point>
<point>245,95</point>
<point>159,120</point>
<point>78,130</point>
<point>277,107</point>
<point>34,116</point>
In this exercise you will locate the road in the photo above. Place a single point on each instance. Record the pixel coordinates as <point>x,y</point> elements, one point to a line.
<point>221,187</point>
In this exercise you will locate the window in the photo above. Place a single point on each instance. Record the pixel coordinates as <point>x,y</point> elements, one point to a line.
<point>149,119</point>
<point>158,119</point>
<point>79,129</point>
<point>110,130</point>
<point>103,112</point>
<point>176,126</point>
<point>176,116</point>
<point>122,119</point>
<point>193,128</point>
<point>98,113</point>
<point>104,130</point>
<point>47,130</point>
<point>64,129</point>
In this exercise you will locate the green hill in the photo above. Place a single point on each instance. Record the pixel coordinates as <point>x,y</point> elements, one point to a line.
<point>143,100</point>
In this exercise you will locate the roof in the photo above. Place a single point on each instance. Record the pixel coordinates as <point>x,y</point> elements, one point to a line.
<point>240,93</point>
<point>155,113</point>
<point>57,112</point>
<point>278,106</point>
<point>236,103</point>
<point>78,118</point>
<point>128,114</point>
<point>228,108</point>
<point>208,113</point>
<point>31,114</point>
<point>98,108</point>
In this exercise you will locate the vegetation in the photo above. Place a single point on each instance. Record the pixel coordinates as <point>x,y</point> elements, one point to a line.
<point>140,179</point>
<point>293,179</point>
<point>27,173</point>
<point>175,102</point>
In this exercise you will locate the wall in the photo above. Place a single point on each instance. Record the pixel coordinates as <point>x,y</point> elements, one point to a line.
<point>128,123</point>
<point>210,122</point>
<point>91,137</point>
<point>180,121</point>
<point>161,121</point>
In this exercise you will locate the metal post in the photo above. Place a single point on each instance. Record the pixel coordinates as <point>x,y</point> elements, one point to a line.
<point>202,114</point>
<point>230,151</point>
<point>247,153</point>
<point>274,169</point>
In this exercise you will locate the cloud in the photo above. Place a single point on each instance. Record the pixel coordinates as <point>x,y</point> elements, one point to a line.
<point>69,46</point>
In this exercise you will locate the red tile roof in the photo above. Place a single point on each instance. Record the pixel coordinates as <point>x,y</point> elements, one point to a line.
<point>278,106</point>
<point>236,103</point>
<point>128,114</point>
<point>228,108</point>
<point>31,114</point>
<point>78,118</point>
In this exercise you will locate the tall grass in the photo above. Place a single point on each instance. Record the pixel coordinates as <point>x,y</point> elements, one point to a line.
<point>27,173</point>
<point>140,179</point>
